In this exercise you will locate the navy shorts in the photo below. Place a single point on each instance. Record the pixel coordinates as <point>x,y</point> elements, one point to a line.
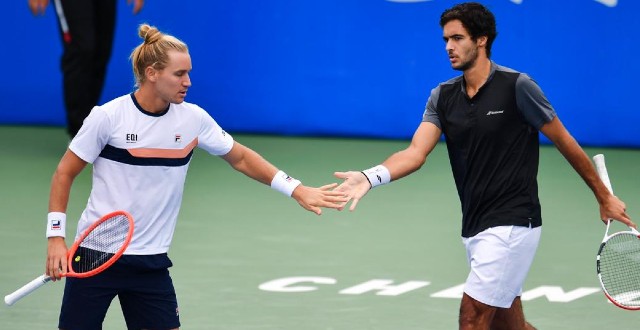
<point>143,286</point>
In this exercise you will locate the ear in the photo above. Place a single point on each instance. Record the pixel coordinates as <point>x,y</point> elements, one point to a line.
<point>151,74</point>
<point>482,41</point>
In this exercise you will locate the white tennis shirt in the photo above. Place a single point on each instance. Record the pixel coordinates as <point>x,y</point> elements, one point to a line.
<point>140,162</point>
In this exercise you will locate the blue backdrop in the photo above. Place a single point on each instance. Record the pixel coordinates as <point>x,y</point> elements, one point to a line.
<point>323,68</point>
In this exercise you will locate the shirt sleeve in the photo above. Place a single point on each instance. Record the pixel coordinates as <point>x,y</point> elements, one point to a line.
<point>430,114</point>
<point>212,137</point>
<point>532,102</point>
<point>93,136</point>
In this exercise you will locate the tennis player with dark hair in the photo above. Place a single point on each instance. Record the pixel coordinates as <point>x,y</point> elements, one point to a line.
<point>140,146</point>
<point>490,117</point>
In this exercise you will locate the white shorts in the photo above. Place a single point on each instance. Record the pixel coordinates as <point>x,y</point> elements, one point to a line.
<point>500,258</point>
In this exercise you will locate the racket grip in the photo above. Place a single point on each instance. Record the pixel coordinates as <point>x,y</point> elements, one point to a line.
<point>11,298</point>
<point>602,171</point>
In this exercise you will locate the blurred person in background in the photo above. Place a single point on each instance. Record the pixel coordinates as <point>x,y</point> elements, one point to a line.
<point>86,28</point>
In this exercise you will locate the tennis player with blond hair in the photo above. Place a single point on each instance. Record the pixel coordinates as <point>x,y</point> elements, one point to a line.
<point>140,146</point>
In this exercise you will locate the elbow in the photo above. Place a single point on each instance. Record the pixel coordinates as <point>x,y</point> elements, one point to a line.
<point>417,163</point>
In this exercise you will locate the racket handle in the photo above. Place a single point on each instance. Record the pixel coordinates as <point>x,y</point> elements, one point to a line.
<point>11,298</point>
<point>602,171</point>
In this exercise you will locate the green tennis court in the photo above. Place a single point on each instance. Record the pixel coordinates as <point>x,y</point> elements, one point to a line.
<point>246,257</point>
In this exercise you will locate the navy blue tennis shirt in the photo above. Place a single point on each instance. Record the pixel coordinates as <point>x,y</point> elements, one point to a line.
<point>493,144</point>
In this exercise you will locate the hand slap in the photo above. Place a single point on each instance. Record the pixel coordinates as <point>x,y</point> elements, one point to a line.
<point>314,199</point>
<point>355,186</point>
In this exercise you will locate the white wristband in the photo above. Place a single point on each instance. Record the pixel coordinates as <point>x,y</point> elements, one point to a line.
<point>56,224</point>
<point>284,183</point>
<point>377,175</point>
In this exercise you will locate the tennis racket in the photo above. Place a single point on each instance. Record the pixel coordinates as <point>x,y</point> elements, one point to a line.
<point>94,251</point>
<point>618,260</point>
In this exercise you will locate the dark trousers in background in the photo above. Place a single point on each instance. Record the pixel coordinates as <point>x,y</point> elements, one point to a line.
<point>87,29</point>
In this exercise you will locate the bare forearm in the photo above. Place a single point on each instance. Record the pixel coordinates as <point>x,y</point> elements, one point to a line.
<point>582,164</point>
<point>60,191</point>
<point>403,163</point>
<point>411,159</point>
<point>69,167</point>
<point>251,164</point>
<point>610,206</point>
<point>569,148</point>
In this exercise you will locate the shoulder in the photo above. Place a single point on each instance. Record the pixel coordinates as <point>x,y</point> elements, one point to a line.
<point>114,108</point>
<point>504,69</point>
<point>117,103</point>
<point>189,108</point>
<point>453,81</point>
<point>524,82</point>
<point>193,113</point>
<point>447,86</point>
<point>503,72</point>
<point>522,78</point>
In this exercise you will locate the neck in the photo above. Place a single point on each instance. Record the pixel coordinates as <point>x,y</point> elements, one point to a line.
<point>477,75</point>
<point>149,101</point>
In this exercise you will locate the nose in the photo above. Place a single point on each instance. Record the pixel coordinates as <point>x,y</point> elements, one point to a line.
<point>187,81</point>
<point>448,46</point>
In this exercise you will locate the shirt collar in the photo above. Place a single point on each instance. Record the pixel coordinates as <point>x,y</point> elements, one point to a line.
<point>492,71</point>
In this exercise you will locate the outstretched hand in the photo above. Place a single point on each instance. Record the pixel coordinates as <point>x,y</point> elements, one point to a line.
<point>313,199</point>
<point>354,186</point>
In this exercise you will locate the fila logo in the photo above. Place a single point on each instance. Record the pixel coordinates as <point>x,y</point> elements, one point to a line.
<point>55,225</point>
<point>495,112</point>
<point>177,138</point>
<point>132,138</point>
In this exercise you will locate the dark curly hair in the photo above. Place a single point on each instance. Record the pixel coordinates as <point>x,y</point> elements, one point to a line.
<point>476,18</point>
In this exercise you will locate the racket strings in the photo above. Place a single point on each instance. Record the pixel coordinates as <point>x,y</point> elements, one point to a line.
<point>620,268</point>
<point>101,244</point>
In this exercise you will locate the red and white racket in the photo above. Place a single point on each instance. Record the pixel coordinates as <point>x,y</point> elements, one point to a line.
<point>94,251</point>
<point>618,260</point>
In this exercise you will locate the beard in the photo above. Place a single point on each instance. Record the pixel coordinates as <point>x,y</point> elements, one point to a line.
<point>472,56</point>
